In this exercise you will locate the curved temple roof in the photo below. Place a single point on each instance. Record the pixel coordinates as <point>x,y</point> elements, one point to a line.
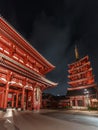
<point>10,32</point>
<point>18,39</point>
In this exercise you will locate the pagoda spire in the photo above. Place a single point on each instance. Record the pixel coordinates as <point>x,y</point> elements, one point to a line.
<point>76,52</point>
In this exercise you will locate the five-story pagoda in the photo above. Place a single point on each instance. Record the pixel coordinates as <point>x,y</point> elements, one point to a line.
<point>81,92</point>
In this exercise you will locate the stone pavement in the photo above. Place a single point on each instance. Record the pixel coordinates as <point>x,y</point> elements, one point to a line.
<point>1,114</point>
<point>79,112</point>
<point>82,112</point>
<point>31,120</point>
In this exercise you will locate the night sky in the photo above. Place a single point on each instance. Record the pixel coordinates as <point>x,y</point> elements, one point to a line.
<point>53,27</point>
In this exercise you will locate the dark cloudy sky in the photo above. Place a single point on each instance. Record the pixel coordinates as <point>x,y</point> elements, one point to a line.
<point>53,27</point>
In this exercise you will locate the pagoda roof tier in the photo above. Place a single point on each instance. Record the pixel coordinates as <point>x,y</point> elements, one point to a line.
<point>81,80</point>
<point>18,68</point>
<point>76,92</point>
<point>82,87</point>
<point>79,67</point>
<point>78,61</point>
<point>84,72</point>
<point>9,32</point>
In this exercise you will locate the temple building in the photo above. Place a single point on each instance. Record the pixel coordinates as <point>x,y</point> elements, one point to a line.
<point>82,85</point>
<point>22,71</point>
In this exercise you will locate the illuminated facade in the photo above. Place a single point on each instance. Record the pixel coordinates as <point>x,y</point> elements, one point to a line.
<point>82,90</point>
<point>22,71</point>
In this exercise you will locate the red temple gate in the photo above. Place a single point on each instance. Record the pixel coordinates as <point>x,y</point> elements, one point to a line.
<point>22,71</point>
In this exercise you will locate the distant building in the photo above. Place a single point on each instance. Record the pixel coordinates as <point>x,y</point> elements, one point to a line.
<point>22,71</point>
<point>82,90</point>
<point>51,101</point>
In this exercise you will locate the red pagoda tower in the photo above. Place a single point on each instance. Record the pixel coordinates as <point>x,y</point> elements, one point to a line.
<point>22,71</point>
<point>82,92</point>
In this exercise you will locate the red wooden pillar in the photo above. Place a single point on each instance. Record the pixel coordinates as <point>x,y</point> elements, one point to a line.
<point>76,104</point>
<point>90,102</point>
<point>29,100</point>
<point>40,98</point>
<point>33,98</point>
<point>84,101</point>
<point>34,103</point>
<point>70,102</point>
<point>22,98</point>
<point>13,100</point>
<point>26,107</point>
<point>7,90</point>
<point>17,100</point>
<point>2,100</point>
<point>23,95</point>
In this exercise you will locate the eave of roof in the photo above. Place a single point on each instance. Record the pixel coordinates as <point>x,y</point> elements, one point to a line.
<point>18,38</point>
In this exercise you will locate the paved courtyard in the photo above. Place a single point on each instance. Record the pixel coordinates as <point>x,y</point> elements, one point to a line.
<point>17,120</point>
